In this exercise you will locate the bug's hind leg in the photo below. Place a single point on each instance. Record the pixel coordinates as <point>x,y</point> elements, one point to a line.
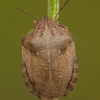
<point>73,79</point>
<point>27,80</point>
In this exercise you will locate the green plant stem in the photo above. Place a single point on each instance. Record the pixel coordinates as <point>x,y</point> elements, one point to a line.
<point>53,8</point>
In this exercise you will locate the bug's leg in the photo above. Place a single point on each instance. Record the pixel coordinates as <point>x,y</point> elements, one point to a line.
<point>73,78</point>
<point>63,27</point>
<point>27,80</point>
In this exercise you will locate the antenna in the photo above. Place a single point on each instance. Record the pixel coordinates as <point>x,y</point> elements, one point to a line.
<point>61,9</point>
<point>25,12</point>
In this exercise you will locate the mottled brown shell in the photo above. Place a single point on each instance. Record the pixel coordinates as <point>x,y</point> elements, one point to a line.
<point>49,67</point>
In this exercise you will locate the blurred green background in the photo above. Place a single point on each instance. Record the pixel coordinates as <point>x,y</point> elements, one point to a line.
<point>82,17</point>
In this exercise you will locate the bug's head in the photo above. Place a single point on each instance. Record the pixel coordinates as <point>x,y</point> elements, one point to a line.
<point>46,23</point>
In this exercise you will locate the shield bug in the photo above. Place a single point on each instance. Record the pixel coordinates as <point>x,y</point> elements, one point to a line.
<point>49,66</point>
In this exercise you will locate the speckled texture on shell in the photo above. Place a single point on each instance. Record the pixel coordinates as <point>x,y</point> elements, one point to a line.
<point>49,63</point>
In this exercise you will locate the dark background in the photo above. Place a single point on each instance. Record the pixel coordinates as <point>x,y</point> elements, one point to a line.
<point>82,17</point>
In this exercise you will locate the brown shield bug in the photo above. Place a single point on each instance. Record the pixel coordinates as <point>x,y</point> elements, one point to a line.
<point>49,67</point>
